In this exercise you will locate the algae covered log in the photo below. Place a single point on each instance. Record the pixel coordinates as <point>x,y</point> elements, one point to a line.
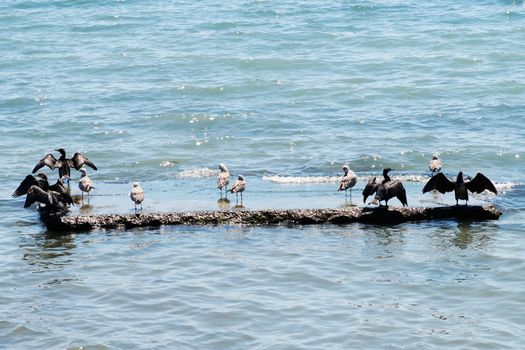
<point>271,217</point>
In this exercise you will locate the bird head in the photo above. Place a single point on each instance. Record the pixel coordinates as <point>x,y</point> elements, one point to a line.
<point>223,167</point>
<point>346,168</point>
<point>240,177</point>
<point>136,184</point>
<point>61,151</point>
<point>460,177</point>
<point>83,172</point>
<point>435,156</point>
<point>42,176</point>
<point>386,171</point>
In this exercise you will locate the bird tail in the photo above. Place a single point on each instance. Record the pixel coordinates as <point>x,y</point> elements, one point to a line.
<point>402,196</point>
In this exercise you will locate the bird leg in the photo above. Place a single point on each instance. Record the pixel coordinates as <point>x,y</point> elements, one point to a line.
<point>241,197</point>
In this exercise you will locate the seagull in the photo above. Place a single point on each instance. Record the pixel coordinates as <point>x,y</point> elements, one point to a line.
<point>85,184</point>
<point>223,179</point>
<point>435,164</point>
<point>385,191</point>
<point>460,187</point>
<point>348,181</point>
<point>238,187</point>
<point>137,195</point>
<point>63,164</point>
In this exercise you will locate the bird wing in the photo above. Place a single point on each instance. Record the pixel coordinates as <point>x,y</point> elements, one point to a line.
<point>434,165</point>
<point>371,187</point>
<point>36,194</point>
<point>439,182</point>
<point>79,160</point>
<point>222,180</point>
<point>396,189</point>
<point>481,183</point>
<point>238,186</point>
<point>24,186</point>
<point>48,160</point>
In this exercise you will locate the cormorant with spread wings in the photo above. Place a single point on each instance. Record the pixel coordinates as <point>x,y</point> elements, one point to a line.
<point>460,187</point>
<point>64,164</point>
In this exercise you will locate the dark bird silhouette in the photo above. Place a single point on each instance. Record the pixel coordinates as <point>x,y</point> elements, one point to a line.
<point>371,187</point>
<point>64,164</point>
<point>460,187</point>
<point>435,164</point>
<point>40,181</point>
<point>348,181</point>
<point>51,199</point>
<point>386,190</point>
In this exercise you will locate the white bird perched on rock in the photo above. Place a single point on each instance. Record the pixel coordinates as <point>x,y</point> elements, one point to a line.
<point>85,184</point>
<point>223,179</point>
<point>348,181</point>
<point>137,195</point>
<point>238,187</point>
<point>435,164</point>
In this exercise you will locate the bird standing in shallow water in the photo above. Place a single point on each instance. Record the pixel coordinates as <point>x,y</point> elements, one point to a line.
<point>85,184</point>
<point>435,164</point>
<point>348,181</point>
<point>223,179</point>
<point>238,187</point>
<point>137,195</point>
<point>460,187</point>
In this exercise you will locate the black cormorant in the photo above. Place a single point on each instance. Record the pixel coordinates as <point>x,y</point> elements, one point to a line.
<point>460,187</point>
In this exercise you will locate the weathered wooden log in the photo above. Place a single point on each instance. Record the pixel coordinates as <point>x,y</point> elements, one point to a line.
<point>379,215</point>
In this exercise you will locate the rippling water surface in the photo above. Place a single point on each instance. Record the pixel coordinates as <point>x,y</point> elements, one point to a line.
<point>284,93</point>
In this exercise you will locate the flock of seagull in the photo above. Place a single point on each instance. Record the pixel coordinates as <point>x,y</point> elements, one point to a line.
<point>57,196</point>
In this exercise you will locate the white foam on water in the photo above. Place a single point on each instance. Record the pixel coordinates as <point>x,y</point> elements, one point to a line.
<point>197,173</point>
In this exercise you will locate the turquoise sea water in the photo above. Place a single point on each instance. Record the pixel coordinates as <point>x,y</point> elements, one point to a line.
<point>283,93</point>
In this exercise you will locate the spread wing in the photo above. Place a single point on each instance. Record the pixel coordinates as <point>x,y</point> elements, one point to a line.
<point>79,160</point>
<point>371,187</point>
<point>36,194</point>
<point>24,186</point>
<point>48,160</point>
<point>481,183</point>
<point>439,182</point>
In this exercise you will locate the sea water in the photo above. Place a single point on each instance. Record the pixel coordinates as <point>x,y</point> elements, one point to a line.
<point>283,93</point>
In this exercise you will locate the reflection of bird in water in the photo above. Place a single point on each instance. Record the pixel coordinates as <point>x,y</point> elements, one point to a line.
<point>435,164</point>
<point>223,179</point>
<point>385,191</point>
<point>63,164</point>
<point>460,187</point>
<point>224,203</point>
<point>85,184</point>
<point>348,181</point>
<point>137,195</point>
<point>238,187</point>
